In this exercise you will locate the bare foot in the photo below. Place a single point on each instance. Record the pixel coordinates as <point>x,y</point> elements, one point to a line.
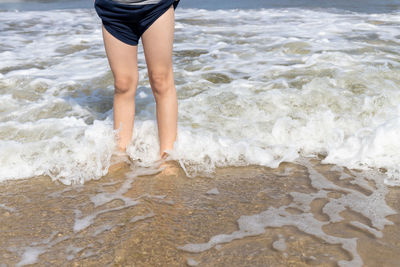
<point>118,161</point>
<point>168,166</point>
<point>164,155</point>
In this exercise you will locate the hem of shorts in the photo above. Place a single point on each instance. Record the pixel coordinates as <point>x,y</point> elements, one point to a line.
<point>117,36</point>
<point>174,4</point>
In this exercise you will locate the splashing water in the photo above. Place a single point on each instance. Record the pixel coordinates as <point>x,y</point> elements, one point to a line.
<point>254,86</point>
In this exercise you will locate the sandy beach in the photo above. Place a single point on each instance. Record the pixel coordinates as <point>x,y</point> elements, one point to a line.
<point>146,220</point>
<point>287,151</point>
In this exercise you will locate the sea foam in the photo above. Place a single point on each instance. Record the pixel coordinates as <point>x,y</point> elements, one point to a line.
<point>254,86</point>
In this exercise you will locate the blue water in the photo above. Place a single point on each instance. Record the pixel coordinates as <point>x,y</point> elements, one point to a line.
<point>367,6</point>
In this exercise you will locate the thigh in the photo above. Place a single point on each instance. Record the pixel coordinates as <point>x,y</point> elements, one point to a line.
<point>121,56</point>
<point>158,42</point>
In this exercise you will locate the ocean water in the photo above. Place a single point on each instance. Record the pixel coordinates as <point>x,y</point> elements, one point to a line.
<point>259,83</point>
<point>256,86</point>
<point>368,6</point>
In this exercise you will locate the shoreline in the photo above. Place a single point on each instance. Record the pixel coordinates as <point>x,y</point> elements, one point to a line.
<point>152,220</point>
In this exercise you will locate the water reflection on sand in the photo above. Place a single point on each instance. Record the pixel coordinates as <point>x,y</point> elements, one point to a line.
<point>298,215</point>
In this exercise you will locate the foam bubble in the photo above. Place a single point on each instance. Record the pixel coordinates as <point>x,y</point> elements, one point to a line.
<point>30,255</point>
<point>3,206</point>
<point>192,262</point>
<point>141,217</point>
<point>213,191</point>
<point>279,244</point>
<point>72,251</point>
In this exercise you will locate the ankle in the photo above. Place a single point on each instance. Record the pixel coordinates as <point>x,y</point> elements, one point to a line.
<point>164,155</point>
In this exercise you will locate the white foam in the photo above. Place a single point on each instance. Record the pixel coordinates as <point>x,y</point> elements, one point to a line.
<point>372,206</point>
<point>192,262</point>
<point>3,206</point>
<point>102,228</point>
<point>141,217</point>
<point>373,231</point>
<point>102,198</point>
<point>84,221</point>
<point>30,255</point>
<point>213,191</point>
<point>279,244</point>
<point>310,82</point>
<point>72,251</point>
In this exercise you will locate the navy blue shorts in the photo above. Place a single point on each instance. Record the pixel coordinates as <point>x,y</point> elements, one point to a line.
<point>126,22</point>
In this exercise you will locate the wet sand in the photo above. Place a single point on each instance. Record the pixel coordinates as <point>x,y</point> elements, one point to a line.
<point>128,220</point>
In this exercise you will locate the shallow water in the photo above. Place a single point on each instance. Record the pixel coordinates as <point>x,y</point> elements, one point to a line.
<point>368,6</point>
<point>298,215</point>
<point>270,89</point>
<point>255,87</point>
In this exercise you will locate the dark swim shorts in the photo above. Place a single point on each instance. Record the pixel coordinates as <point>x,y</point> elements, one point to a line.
<point>127,22</point>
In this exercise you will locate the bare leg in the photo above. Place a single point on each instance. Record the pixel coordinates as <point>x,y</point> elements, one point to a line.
<point>157,43</point>
<point>123,62</point>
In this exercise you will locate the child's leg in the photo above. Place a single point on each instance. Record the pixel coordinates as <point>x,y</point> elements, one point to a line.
<point>157,43</point>
<point>123,62</point>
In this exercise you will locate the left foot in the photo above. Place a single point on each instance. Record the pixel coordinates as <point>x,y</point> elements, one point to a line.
<point>168,166</point>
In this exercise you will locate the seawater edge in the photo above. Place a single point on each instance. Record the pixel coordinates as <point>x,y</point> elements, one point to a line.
<point>153,220</point>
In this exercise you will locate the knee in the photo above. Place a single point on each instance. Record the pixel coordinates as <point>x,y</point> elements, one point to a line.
<point>161,82</point>
<point>125,84</point>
